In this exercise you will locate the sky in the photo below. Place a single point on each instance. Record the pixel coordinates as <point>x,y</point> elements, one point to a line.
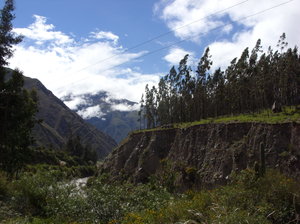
<point>76,47</point>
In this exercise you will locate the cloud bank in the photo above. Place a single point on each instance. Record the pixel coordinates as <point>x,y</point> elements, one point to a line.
<point>70,66</point>
<point>240,33</point>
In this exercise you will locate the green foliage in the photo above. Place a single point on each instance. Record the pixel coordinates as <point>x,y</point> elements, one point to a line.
<point>289,114</point>
<point>51,198</point>
<point>262,158</point>
<point>4,186</point>
<point>56,199</point>
<point>252,82</point>
<point>32,191</point>
<point>7,37</point>
<point>269,199</point>
<point>50,157</point>
<point>17,106</point>
<point>166,177</point>
<point>17,110</point>
<point>82,154</point>
<point>109,202</point>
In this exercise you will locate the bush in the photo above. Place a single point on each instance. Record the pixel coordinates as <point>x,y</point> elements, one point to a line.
<point>69,172</point>
<point>4,186</point>
<point>248,199</point>
<point>31,191</point>
<point>46,195</point>
<point>107,202</point>
<point>273,198</point>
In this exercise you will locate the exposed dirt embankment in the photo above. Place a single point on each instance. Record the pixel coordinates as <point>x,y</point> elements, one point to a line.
<point>205,155</point>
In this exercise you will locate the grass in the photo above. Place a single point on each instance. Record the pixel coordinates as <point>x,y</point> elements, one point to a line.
<point>289,114</point>
<point>248,199</point>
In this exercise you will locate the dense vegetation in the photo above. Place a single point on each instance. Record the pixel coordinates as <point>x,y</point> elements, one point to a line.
<point>249,84</point>
<point>49,197</point>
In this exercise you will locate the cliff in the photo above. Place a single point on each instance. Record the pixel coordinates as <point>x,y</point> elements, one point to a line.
<point>205,155</point>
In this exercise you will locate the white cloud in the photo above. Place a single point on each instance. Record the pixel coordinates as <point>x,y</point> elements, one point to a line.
<point>75,102</point>
<point>176,54</point>
<point>89,112</point>
<point>41,32</point>
<point>267,26</point>
<point>105,35</point>
<point>125,107</point>
<point>67,66</point>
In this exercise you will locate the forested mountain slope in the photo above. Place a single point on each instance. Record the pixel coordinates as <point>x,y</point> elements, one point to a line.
<point>60,123</point>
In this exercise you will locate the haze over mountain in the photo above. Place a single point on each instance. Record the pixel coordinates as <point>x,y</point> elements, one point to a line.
<point>115,117</point>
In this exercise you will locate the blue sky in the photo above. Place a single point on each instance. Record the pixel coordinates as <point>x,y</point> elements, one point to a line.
<point>78,47</point>
<point>132,21</point>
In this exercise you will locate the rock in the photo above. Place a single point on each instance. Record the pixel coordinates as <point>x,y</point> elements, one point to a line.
<point>190,222</point>
<point>276,107</point>
<point>150,153</point>
<point>62,163</point>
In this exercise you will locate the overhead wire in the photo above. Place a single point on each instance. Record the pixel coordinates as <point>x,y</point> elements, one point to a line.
<point>176,42</point>
<point>216,28</point>
<point>165,34</point>
<point>151,40</point>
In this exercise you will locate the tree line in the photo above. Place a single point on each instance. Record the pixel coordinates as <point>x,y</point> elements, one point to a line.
<point>252,82</point>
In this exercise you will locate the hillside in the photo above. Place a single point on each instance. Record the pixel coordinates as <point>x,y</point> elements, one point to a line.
<point>205,155</point>
<point>60,122</point>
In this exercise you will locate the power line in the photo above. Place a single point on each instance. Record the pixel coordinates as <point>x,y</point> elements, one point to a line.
<point>155,38</point>
<point>216,28</point>
<point>165,34</point>
<point>177,42</point>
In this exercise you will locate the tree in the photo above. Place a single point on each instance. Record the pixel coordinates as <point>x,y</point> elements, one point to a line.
<point>201,83</point>
<point>7,37</point>
<point>150,106</point>
<point>163,102</point>
<point>282,43</point>
<point>84,154</point>
<point>17,105</point>
<point>183,93</point>
<point>218,97</point>
<point>17,109</point>
<point>141,111</point>
<point>250,83</point>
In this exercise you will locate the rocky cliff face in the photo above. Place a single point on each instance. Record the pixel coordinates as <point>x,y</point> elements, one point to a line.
<point>205,155</point>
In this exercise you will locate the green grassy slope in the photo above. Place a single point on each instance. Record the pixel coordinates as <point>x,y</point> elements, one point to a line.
<point>289,114</point>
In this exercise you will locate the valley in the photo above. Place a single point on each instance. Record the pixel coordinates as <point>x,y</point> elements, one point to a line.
<point>100,135</point>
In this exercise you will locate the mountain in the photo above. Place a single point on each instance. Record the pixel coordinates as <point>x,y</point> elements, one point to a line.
<point>205,155</point>
<point>115,117</point>
<point>60,123</point>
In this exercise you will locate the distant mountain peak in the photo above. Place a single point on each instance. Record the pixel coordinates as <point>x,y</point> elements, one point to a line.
<point>116,117</point>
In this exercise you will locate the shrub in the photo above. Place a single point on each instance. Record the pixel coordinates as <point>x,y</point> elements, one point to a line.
<point>273,198</point>
<point>4,186</point>
<point>31,191</point>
